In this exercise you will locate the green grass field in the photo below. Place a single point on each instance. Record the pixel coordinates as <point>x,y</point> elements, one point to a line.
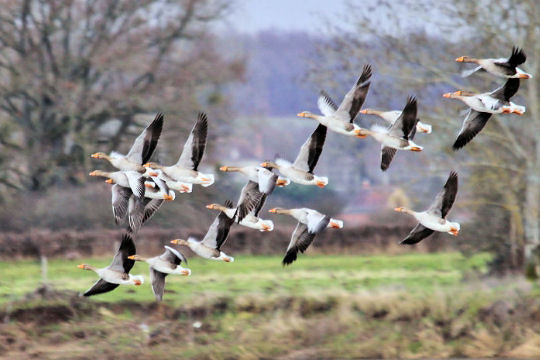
<point>254,274</point>
<point>335,307</point>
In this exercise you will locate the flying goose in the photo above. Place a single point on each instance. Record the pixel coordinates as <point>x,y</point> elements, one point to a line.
<point>141,150</point>
<point>482,107</point>
<point>398,136</point>
<point>209,246</point>
<point>340,119</point>
<point>185,169</point>
<point>504,67</point>
<point>393,115</point>
<point>495,102</point>
<point>434,218</point>
<point>161,266</point>
<point>301,172</point>
<point>117,273</point>
<point>249,205</point>
<point>266,179</point>
<point>310,223</point>
<point>181,187</point>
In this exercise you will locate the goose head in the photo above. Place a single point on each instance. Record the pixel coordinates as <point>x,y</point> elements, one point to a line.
<point>103,174</point>
<point>180,242</point>
<point>99,155</point>
<point>466,59</point>
<point>270,165</point>
<point>458,94</point>
<point>153,165</point>
<point>309,115</point>
<point>216,207</point>
<point>85,267</point>
<point>279,211</point>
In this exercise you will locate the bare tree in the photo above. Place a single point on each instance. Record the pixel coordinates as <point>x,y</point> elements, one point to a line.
<point>68,67</point>
<point>414,49</point>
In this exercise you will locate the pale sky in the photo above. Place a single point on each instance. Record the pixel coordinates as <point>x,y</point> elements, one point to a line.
<point>251,16</point>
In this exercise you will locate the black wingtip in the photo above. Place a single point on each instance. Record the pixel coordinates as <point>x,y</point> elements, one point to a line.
<point>202,116</point>
<point>366,74</point>
<point>290,257</point>
<point>228,203</point>
<point>408,242</point>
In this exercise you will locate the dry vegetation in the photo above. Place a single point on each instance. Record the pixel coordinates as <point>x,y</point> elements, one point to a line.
<point>337,307</point>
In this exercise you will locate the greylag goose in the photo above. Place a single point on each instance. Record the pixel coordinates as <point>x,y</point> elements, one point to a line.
<point>310,223</point>
<point>185,169</point>
<point>495,102</point>
<point>141,150</point>
<point>249,205</point>
<point>398,136</point>
<point>341,119</point>
<point>117,273</point>
<point>482,107</point>
<point>181,187</point>
<point>161,266</point>
<point>266,179</point>
<point>301,172</point>
<point>504,67</point>
<point>391,117</point>
<point>434,218</point>
<point>209,247</point>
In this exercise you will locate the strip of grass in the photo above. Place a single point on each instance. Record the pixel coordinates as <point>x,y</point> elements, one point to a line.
<point>255,275</point>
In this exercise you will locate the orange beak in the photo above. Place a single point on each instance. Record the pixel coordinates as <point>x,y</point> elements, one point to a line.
<point>168,197</point>
<point>175,241</point>
<point>517,112</point>
<point>415,148</point>
<point>398,209</point>
<point>137,282</point>
<point>210,206</point>
<point>273,211</point>
<point>227,260</point>
<point>93,173</point>
<point>302,114</point>
<point>147,165</point>
<point>223,168</point>
<point>265,164</point>
<point>80,266</point>
<point>460,59</point>
<point>524,76</point>
<point>281,182</point>
<point>334,225</point>
<point>365,111</point>
<point>320,184</point>
<point>266,228</point>
<point>109,181</point>
<point>153,174</point>
<point>454,232</point>
<point>447,95</point>
<point>185,272</point>
<point>360,134</point>
<point>95,156</point>
<point>148,185</point>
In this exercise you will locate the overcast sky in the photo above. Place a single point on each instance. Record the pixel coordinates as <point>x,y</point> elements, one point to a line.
<point>251,16</point>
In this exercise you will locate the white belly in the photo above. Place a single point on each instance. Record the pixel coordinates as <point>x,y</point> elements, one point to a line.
<point>201,250</point>
<point>433,222</point>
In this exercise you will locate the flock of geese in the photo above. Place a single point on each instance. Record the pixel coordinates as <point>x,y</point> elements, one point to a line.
<point>139,187</point>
